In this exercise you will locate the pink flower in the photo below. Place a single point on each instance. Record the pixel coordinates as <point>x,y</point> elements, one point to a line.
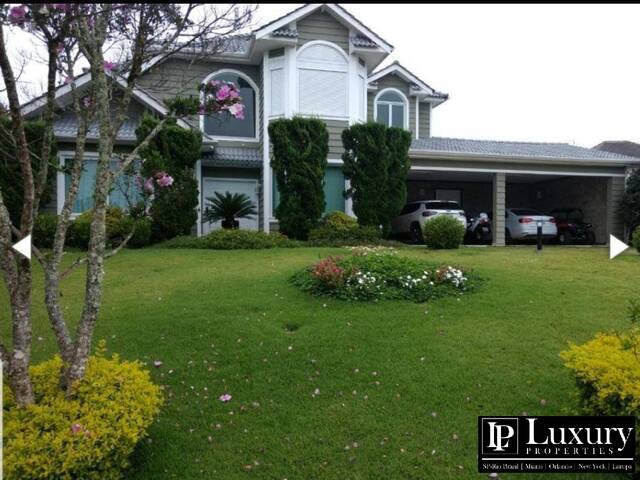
<point>223,93</point>
<point>77,428</point>
<point>148,185</point>
<point>225,397</point>
<point>157,363</point>
<point>67,80</point>
<point>18,15</point>
<point>109,66</point>
<point>237,110</point>
<point>164,180</point>
<point>87,102</point>
<point>214,83</point>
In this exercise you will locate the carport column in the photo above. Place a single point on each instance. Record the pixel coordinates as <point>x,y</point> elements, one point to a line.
<point>615,190</point>
<point>499,199</point>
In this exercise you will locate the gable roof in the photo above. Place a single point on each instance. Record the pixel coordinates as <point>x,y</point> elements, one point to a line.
<point>342,15</point>
<point>531,151</point>
<point>397,69</point>
<point>623,147</point>
<point>145,98</point>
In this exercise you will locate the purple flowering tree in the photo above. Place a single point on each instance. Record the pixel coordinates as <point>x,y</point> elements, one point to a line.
<point>73,36</point>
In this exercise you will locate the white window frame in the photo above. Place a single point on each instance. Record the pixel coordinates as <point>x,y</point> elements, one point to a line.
<point>327,66</point>
<point>256,115</point>
<point>405,103</point>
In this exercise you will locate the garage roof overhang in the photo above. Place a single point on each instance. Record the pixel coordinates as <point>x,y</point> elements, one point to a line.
<point>521,159</point>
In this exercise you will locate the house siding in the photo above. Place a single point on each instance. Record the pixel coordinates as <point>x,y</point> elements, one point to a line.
<point>335,128</point>
<point>424,120</point>
<point>322,26</point>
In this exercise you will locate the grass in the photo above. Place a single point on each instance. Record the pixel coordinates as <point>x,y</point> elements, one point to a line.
<point>400,384</point>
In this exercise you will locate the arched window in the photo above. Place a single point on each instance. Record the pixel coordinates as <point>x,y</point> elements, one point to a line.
<point>391,108</point>
<point>323,80</point>
<point>223,124</point>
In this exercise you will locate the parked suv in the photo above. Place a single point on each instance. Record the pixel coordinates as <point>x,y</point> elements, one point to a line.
<point>572,228</point>
<point>414,215</point>
<point>522,224</point>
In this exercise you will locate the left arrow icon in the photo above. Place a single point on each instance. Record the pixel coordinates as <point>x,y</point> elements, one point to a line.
<point>23,247</point>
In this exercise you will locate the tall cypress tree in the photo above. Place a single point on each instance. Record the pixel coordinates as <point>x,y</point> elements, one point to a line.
<point>629,208</point>
<point>299,161</point>
<point>376,162</point>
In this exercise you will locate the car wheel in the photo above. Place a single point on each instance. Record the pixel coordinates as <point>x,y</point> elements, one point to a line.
<point>565,238</point>
<point>507,238</point>
<point>416,234</point>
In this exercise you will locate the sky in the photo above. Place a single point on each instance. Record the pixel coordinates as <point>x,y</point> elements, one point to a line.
<point>539,73</point>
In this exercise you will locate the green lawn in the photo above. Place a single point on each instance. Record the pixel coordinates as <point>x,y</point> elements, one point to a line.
<point>400,384</point>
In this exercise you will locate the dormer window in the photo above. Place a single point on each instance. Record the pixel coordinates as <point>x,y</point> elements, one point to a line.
<point>223,124</point>
<point>391,108</point>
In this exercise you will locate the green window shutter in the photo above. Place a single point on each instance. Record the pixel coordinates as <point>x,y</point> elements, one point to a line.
<point>334,189</point>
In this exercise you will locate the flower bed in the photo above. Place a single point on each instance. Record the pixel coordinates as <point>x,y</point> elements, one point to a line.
<point>372,274</point>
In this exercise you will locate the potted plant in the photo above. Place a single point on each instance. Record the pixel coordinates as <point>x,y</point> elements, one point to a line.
<point>229,207</point>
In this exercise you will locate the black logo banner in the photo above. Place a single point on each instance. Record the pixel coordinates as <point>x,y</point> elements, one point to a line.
<point>557,444</point>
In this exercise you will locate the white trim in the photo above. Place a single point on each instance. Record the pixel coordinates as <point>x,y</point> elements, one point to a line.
<point>429,133</point>
<point>256,115</point>
<point>419,168</point>
<point>403,72</point>
<point>404,99</point>
<point>444,154</point>
<point>266,167</point>
<point>417,118</point>
<point>60,91</point>
<point>325,43</point>
<point>335,161</point>
<point>198,176</point>
<point>336,10</point>
<point>290,82</point>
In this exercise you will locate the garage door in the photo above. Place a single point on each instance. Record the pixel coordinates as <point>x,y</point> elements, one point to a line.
<point>233,185</point>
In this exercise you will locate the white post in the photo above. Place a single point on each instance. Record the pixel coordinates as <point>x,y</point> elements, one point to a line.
<point>198,177</point>
<point>266,164</point>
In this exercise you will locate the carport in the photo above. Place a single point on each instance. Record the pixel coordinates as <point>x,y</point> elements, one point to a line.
<point>491,176</point>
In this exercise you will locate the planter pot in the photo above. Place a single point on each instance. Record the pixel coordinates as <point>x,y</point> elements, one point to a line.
<point>234,224</point>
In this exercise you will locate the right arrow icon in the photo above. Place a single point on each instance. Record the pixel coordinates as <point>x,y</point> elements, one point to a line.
<point>616,247</point>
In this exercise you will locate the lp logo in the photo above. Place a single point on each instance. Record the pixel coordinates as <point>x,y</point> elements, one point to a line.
<point>499,435</point>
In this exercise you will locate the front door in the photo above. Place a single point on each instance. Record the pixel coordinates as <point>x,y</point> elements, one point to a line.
<point>247,186</point>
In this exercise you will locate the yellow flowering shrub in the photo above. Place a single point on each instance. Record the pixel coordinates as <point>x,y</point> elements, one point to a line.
<point>607,372</point>
<point>88,437</point>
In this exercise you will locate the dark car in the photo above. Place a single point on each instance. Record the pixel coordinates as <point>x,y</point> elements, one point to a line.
<point>572,228</point>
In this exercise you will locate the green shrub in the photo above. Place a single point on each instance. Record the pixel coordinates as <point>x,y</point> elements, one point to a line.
<point>338,221</point>
<point>44,229</point>
<point>118,225</point>
<point>11,184</point>
<point>443,231</point>
<point>374,274</point>
<point>635,239</point>
<point>331,237</point>
<point>607,374</point>
<point>174,150</point>
<point>299,161</point>
<point>142,234</point>
<point>90,436</point>
<point>225,239</point>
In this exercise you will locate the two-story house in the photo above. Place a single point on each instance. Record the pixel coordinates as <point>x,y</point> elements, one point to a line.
<point>319,60</point>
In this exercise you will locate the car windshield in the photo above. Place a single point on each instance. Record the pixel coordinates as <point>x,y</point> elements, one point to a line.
<point>525,211</point>
<point>442,205</point>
